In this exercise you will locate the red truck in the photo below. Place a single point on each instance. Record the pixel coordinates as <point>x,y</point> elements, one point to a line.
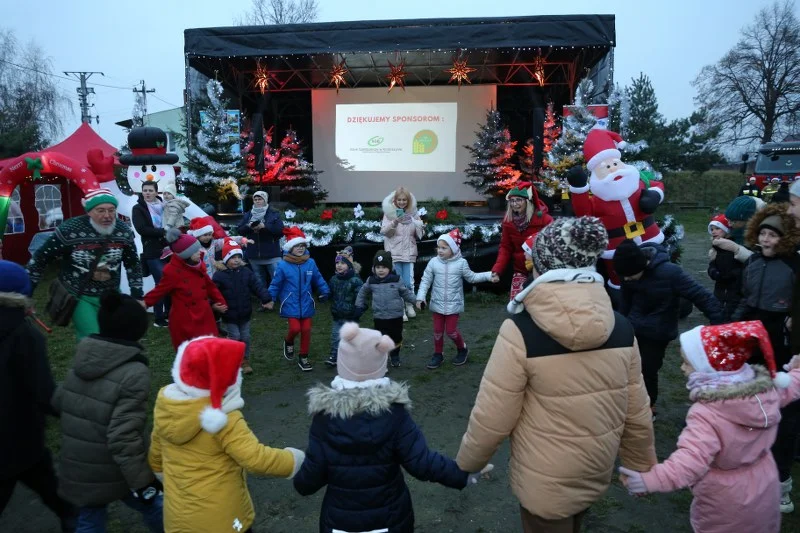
<point>777,160</point>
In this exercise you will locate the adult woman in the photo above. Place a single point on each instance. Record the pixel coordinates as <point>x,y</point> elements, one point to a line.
<point>263,225</point>
<point>526,215</point>
<point>401,227</point>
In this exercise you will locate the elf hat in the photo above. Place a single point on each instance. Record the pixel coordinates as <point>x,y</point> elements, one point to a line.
<point>207,367</point>
<point>183,244</point>
<point>229,249</point>
<point>726,348</point>
<point>200,226</point>
<point>721,222</point>
<point>294,236</point>
<point>97,197</point>
<point>453,240</point>
<point>527,246</point>
<point>522,190</point>
<point>600,145</point>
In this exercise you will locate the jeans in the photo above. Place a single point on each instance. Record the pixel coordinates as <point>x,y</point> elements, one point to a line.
<point>156,268</point>
<point>406,273</point>
<point>652,354</point>
<point>93,519</point>
<point>240,332</point>
<point>262,269</point>
<point>336,325</point>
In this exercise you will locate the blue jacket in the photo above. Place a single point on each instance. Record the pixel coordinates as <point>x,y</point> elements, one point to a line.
<point>237,285</point>
<point>268,240</point>
<point>652,303</point>
<point>359,456</point>
<point>293,285</point>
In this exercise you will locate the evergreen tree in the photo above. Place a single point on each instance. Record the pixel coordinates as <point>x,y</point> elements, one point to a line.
<point>288,167</point>
<point>567,151</point>
<point>491,171</point>
<point>551,129</point>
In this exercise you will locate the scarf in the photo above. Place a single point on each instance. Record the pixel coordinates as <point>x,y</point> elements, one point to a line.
<point>257,213</point>
<point>703,381</point>
<point>156,209</point>
<point>293,259</point>
<point>520,221</point>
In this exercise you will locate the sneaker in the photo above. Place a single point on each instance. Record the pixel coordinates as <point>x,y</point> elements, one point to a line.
<point>288,351</point>
<point>786,496</point>
<point>435,362</point>
<point>394,360</point>
<point>331,360</point>
<point>246,368</point>
<point>461,356</point>
<point>405,316</point>
<point>410,312</point>
<point>304,364</point>
<point>161,323</point>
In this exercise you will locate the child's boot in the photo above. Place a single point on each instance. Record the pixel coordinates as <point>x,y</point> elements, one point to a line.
<point>435,362</point>
<point>331,360</point>
<point>394,357</point>
<point>304,363</point>
<point>461,356</point>
<point>786,496</point>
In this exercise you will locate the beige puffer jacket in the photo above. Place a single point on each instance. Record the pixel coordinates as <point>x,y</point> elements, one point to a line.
<point>401,240</point>
<point>569,414</point>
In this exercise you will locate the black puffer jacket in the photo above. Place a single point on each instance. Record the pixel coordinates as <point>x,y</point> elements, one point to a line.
<point>726,271</point>
<point>153,241</point>
<point>652,303</point>
<point>103,404</point>
<point>237,286</point>
<point>26,387</point>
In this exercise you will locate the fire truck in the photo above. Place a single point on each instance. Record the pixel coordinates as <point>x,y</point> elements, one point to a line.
<point>777,160</point>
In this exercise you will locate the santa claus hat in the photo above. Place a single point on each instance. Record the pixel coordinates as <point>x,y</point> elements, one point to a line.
<point>727,347</point>
<point>527,246</point>
<point>720,221</point>
<point>229,249</point>
<point>453,240</point>
<point>600,145</point>
<point>207,367</point>
<point>294,236</point>
<point>200,226</point>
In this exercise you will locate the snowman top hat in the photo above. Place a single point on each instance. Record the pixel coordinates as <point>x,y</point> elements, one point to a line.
<point>148,147</point>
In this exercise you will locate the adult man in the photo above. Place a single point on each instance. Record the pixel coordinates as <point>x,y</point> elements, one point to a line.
<point>147,219</point>
<point>565,382</point>
<point>750,188</point>
<point>92,248</point>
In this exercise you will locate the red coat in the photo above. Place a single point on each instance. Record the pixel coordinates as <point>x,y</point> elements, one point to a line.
<point>511,242</point>
<point>190,289</point>
<point>616,214</point>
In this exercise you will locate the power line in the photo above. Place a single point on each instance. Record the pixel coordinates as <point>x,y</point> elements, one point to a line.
<point>60,77</point>
<point>168,103</point>
<point>83,95</point>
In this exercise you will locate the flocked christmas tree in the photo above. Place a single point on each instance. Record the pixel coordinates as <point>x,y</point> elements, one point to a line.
<point>491,171</point>
<point>287,167</point>
<point>213,158</point>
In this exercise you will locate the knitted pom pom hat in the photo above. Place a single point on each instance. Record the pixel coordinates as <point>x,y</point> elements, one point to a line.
<point>569,243</point>
<point>183,244</point>
<point>97,197</point>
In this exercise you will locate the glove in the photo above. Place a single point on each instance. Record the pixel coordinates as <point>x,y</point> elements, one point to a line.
<point>473,478</point>
<point>648,201</point>
<point>633,481</point>
<point>725,244</point>
<point>299,457</point>
<point>323,297</point>
<point>148,493</point>
<point>576,176</point>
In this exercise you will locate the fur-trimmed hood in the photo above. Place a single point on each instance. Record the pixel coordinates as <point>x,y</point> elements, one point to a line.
<point>791,237</point>
<point>746,404</point>
<point>389,207</point>
<point>348,403</point>
<point>15,299</point>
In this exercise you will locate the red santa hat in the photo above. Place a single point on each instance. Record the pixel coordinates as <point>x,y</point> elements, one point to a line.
<point>527,246</point>
<point>453,240</point>
<point>600,145</point>
<point>294,236</point>
<point>200,226</point>
<point>720,221</point>
<point>230,248</point>
<point>208,367</point>
<point>726,348</point>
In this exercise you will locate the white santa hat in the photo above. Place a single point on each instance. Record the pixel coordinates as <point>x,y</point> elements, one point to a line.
<point>453,240</point>
<point>601,144</point>
<point>209,367</point>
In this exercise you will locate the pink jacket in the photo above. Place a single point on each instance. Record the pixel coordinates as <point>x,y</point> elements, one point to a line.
<point>401,240</point>
<point>724,456</point>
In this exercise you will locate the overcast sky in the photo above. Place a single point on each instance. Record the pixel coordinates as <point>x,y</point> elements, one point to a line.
<point>669,40</point>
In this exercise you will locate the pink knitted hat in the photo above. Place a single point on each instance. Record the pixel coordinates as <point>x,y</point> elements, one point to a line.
<point>362,353</point>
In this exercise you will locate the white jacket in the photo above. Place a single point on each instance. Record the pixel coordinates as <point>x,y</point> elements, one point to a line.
<point>401,240</point>
<point>445,276</point>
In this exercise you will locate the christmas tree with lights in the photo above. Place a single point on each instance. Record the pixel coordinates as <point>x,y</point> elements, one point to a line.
<point>545,184</point>
<point>287,167</point>
<point>491,171</point>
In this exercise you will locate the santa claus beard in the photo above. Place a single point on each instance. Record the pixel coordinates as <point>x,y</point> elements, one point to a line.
<point>617,186</point>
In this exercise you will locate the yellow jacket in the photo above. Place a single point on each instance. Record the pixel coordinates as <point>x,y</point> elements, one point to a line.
<point>204,474</point>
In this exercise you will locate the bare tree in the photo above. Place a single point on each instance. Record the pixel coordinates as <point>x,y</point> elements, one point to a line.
<point>753,92</point>
<point>268,12</point>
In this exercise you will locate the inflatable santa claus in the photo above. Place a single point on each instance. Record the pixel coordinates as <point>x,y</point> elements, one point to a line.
<point>621,197</point>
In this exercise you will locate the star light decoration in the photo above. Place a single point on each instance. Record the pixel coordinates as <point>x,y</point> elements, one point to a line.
<point>397,75</point>
<point>262,78</point>
<point>538,70</point>
<point>336,75</point>
<point>460,72</point>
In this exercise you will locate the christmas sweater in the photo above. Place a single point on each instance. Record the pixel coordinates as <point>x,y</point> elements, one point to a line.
<point>77,244</point>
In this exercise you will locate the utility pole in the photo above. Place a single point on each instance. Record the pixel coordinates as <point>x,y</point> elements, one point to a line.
<point>143,92</point>
<point>83,95</point>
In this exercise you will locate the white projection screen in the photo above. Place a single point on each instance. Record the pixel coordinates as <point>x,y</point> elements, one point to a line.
<point>368,141</point>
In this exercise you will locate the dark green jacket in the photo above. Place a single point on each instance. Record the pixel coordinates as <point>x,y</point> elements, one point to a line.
<point>344,291</point>
<point>103,404</point>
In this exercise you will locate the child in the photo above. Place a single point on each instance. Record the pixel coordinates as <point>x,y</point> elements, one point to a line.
<point>211,237</point>
<point>344,286</point>
<point>652,288</point>
<point>724,269</point>
<point>361,434</point>
<point>389,298</point>
<point>444,275</point>
<point>401,227</point>
<point>186,282</point>
<point>236,284</point>
<point>767,291</point>
<point>722,451</point>
<point>103,405</point>
<point>201,445</point>
<point>296,277</point>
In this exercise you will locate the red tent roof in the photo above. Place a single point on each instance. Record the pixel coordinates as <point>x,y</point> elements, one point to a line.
<point>80,142</point>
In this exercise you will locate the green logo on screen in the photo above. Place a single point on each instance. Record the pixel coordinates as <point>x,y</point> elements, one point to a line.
<point>425,142</point>
<point>375,141</point>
